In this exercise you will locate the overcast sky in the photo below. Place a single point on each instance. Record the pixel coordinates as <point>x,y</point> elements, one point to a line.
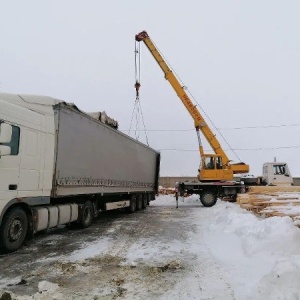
<point>239,59</point>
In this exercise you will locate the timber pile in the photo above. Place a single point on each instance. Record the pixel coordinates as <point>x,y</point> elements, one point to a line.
<point>271,201</point>
<point>166,191</point>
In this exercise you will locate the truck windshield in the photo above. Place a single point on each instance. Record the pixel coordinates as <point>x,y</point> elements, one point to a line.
<point>279,169</point>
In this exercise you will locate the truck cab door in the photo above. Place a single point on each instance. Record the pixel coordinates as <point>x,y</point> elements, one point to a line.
<point>9,164</point>
<point>208,170</point>
<point>31,165</point>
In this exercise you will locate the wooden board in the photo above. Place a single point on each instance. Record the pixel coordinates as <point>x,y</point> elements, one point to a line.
<point>273,189</point>
<point>272,201</point>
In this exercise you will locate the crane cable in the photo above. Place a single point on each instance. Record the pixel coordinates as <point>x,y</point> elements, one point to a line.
<point>137,109</point>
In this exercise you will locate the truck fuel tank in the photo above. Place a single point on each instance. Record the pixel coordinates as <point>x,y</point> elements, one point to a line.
<point>46,217</point>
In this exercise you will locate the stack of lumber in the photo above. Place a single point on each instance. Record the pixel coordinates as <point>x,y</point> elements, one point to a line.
<point>270,201</point>
<point>166,191</point>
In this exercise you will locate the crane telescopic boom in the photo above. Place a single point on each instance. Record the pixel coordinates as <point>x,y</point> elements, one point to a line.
<point>214,167</point>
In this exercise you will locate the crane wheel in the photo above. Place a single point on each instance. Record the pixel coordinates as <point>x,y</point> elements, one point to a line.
<point>208,199</point>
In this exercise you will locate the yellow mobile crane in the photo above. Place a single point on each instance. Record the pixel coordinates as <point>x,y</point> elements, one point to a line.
<point>215,172</point>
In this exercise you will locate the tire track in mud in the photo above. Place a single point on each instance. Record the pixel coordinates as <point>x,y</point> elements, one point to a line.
<point>108,275</point>
<point>140,279</point>
<point>151,254</point>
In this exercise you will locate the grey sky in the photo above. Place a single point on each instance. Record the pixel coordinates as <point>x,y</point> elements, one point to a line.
<point>240,60</point>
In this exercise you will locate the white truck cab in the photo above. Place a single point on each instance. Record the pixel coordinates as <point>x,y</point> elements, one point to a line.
<point>276,173</point>
<point>26,162</point>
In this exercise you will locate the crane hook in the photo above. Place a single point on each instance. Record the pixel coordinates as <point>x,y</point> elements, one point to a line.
<point>137,87</point>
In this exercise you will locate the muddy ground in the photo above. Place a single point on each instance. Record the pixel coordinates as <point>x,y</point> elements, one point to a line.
<point>121,256</point>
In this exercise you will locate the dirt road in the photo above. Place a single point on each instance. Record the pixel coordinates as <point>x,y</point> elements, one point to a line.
<point>154,253</point>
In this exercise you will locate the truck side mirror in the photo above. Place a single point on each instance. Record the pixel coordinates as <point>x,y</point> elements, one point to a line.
<point>4,150</point>
<point>5,133</point>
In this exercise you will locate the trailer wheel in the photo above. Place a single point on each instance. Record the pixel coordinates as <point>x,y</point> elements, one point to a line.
<point>87,214</point>
<point>208,199</point>
<point>149,197</point>
<point>145,201</point>
<point>139,202</point>
<point>13,230</point>
<point>132,207</point>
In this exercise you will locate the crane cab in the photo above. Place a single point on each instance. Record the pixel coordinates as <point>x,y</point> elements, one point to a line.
<point>212,168</point>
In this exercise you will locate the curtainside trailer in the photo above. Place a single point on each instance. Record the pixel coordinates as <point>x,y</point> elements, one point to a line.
<point>59,165</point>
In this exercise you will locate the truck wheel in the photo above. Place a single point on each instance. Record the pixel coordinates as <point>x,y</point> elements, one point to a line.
<point>145,201</point>
<point>208,199</point>
<point>87,214</point>
<point>132,206</point>
<point>14,229</point>
<point>139,202</point>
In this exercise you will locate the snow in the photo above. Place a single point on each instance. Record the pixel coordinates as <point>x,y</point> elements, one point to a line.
<point>152,252</point>
<point>231,254</point>
<point>169,200</point>
<point>90,250</point>
<point>254,249</point>
<point>46,291</point>
<point>9,281</point>
<point>261,255</point>
<point>45,286</point>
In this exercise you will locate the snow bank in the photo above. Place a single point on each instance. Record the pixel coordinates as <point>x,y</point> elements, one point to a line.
<point>263,255</point>
<point>275,235</point>
<point>260,257</point>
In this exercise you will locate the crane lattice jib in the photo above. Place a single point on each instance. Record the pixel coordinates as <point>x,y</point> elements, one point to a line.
<point>199,121</point>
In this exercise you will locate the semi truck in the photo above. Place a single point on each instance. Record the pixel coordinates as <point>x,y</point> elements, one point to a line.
<point>60,165</point>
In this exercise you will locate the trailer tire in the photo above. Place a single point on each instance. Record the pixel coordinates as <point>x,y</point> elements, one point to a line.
<point>132,207</point>
<point>208,199</point>
<point>139,202</point>
<point>13,230</point>
<point>87,215</point>
<point>145,201</point>
<point>149,197</point>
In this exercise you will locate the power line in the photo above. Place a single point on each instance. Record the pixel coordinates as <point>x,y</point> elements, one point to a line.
<point>237,149</point>
<point>260,127</point>
<point>161,130</point>
<point>225,128</point>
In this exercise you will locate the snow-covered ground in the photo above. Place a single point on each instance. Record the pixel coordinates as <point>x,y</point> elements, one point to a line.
<point>261,257</point>
<point>192,252</point>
